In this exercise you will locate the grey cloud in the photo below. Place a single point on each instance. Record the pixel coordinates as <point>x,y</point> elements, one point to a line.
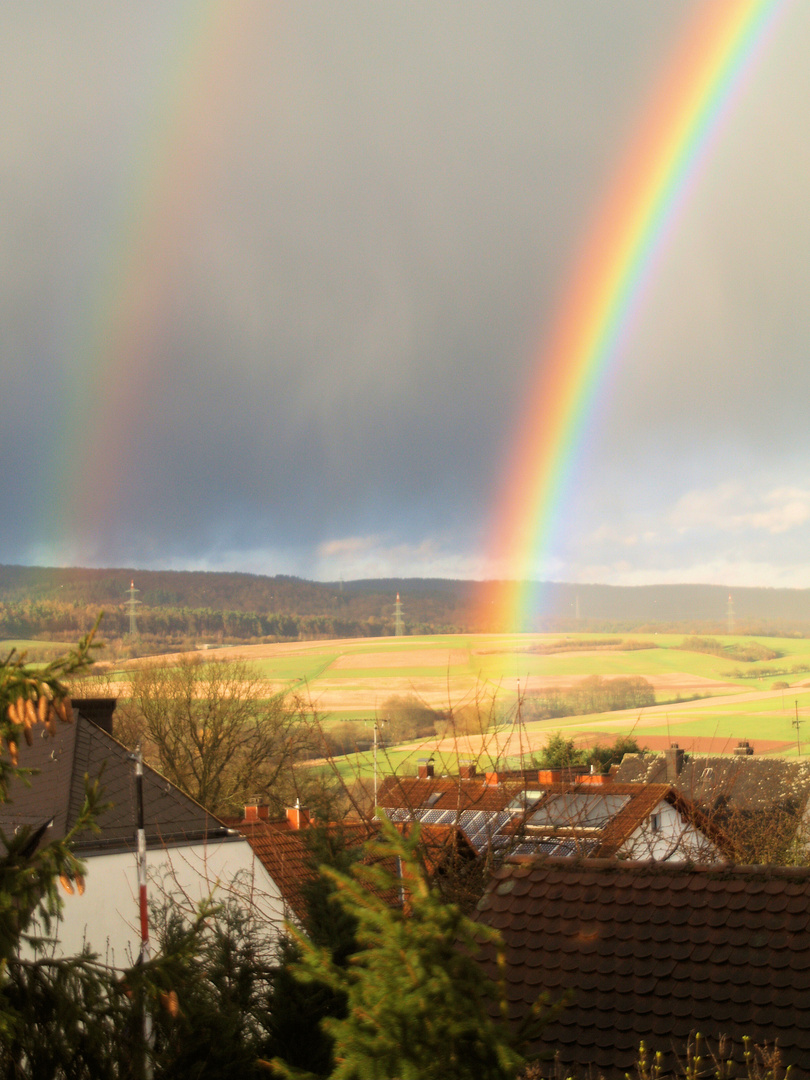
<point>374,214</point>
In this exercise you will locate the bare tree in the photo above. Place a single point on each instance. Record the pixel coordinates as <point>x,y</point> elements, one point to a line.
<point>211,728</point>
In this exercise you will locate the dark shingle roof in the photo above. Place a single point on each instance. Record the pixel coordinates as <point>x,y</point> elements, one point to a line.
<point>747,782</point>
<point>653,952</point>
<point>57,791</point>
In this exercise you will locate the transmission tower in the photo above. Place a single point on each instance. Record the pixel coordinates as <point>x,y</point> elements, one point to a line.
<point>399,625</point>
<point>730,616</point>
<point>133,603</point>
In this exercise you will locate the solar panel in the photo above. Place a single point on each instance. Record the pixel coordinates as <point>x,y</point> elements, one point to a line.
<point>579,811</point>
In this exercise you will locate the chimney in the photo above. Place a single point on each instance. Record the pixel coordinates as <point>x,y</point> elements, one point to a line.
<point>424,769</point>
<point>674,762</point>
<point>467,770</point>
<point>743,748</point>
<point>298,817</point>
<point>256,809</point>
<point>569,774</point>
<point>492,779</point>
<point>98,710</point>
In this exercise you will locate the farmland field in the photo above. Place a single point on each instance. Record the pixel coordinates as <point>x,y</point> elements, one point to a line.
<point>705,702</point>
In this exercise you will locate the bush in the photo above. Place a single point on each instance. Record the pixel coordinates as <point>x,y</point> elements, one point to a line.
<point>407,718</point>
<point>350,737</point>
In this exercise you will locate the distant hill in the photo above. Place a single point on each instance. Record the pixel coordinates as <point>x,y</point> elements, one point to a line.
<point>35,601</point>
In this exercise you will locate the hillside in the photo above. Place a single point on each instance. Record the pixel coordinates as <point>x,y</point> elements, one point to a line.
<point>36,601</point>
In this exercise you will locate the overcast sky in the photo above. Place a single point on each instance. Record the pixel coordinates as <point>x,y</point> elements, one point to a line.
<point>274,280</point>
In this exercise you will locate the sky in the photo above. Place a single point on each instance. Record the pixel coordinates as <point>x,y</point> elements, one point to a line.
<point>275,279</point>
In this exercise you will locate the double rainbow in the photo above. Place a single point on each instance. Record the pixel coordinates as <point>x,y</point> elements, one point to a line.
<point>717,57</point>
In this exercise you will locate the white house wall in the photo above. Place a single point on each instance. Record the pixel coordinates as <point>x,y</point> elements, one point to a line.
<point>675,840</point>
<point>106,915</point>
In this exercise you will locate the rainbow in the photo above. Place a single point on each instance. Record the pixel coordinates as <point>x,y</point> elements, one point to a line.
<point>115,351</point>
<point>714,62</point>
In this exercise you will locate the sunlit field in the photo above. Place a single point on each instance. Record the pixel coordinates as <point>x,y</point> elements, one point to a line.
<point>704,702</point>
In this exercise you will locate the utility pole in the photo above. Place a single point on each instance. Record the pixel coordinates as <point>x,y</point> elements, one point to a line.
<point>795,724</point>
<point>133,603</point>
<point>143,907</point>
<point>377,724</point>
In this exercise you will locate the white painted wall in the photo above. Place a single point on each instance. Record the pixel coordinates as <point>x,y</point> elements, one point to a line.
<point>675,840</point>
<point>106,916</point>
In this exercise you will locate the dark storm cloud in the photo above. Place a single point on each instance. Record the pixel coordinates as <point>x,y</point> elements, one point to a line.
<point>381,226</point>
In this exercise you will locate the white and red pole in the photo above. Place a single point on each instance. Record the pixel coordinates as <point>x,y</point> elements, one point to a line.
<point>142,901</point>
<point>144,909</point>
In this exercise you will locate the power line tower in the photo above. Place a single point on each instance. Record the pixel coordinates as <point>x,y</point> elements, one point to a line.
<point>730,616</point>
<point>133,603</point>
<point>399,625</point>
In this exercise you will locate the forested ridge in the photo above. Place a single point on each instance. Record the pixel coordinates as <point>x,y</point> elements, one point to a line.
<point>180,606</point>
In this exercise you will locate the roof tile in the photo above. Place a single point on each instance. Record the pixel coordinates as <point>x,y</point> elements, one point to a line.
<point>655,950</point>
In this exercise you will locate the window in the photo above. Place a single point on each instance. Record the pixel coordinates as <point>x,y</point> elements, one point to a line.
<point>525,800</point>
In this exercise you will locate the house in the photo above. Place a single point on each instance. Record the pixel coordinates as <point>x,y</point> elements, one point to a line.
<point>285,848</point>
<point>191,855</point>
<point>762,803</point>
<point>653,952</point>
<point>557,812</point>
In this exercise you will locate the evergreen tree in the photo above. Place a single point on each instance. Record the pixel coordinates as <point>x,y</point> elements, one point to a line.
<point>418,1004</point>
<point>297,1007</point>
<point>29,695</point>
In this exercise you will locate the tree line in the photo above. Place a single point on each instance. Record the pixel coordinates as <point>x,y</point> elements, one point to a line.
<point>592,695</point>
<point>189,626</point>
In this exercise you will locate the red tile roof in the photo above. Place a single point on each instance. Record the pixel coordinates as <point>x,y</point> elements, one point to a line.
<point>460,795</point>
<point>653,952</point>
<point>287,857</point>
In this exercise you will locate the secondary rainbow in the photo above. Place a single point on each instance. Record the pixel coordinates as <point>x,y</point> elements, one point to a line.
<point>115,350</point>
<point>715,60</point>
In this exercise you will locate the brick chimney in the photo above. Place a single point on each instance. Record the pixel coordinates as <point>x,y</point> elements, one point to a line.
<point>569,774</point>
<point>674,762</point>
<point>424,769</point>
<point>256,809</point>
<point>298,817</point>
<point>743,748</point>
<point>99,710</point>
<point>467,771</point>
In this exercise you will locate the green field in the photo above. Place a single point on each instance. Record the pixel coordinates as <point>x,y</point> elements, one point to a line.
<point>704,701</point>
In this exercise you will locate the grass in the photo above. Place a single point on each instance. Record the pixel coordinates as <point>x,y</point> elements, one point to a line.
<point>26,645</point>
<point>493,664</point>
